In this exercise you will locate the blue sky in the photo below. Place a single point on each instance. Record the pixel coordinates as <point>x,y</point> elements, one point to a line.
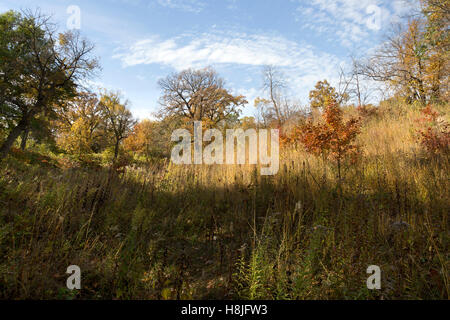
<point>141,41</point>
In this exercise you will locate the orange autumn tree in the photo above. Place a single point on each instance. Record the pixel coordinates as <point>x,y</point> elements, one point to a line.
<point>332,138</point>
<point>140,139</point>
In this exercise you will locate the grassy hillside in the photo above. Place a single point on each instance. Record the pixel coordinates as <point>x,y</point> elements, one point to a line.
<point>166,232</point>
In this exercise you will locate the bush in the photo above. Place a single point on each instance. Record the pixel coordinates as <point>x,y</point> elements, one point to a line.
<point>434,134</point>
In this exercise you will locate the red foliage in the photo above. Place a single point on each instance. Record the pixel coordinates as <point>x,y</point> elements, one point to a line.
<point>332,138</point>
<point>434,135</point>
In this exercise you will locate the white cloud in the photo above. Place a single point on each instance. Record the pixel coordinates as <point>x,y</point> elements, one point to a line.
<point>404,8</point>
<point>223,48</point>
<point>352,21</point>
<point>143,113</point>
<point>195,6</point>
<point>98,86</point>
<point>301,64</point>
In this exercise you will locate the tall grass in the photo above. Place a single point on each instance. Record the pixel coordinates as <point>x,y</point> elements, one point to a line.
<point>188,232</point>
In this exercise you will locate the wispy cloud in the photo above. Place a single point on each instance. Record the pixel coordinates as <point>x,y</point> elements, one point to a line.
<point>302,64</point>
<point>221,48</point>
<point>195,6</point>
<point>351,21</point>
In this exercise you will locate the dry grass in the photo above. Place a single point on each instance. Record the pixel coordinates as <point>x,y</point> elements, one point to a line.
<point>167,232</point>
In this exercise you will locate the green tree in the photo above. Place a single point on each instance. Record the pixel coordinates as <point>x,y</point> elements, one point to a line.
<point>38,69</point>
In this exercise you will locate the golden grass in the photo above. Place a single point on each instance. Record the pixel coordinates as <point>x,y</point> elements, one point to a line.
<point>167,232</point>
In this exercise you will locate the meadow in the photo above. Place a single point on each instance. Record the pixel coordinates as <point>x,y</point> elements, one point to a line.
<point>164,231</point>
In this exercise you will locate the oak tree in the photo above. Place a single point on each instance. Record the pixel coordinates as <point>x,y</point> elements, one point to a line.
<point>198,95</point>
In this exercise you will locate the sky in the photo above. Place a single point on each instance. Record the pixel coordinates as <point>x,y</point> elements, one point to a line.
<point>139,42</point>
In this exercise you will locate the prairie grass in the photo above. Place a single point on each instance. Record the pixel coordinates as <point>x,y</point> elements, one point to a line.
<point>189,232</point>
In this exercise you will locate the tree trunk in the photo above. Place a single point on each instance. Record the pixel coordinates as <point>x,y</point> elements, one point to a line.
<point>339,168</point>
<point>116,150</point>
<point>13,135</point>
<point>275,105</point>
<point>358,91</point>
<point>23,143</point>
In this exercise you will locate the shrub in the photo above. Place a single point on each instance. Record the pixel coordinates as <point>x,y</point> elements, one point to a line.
<point>333,138</point>
<point>434,134</point>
